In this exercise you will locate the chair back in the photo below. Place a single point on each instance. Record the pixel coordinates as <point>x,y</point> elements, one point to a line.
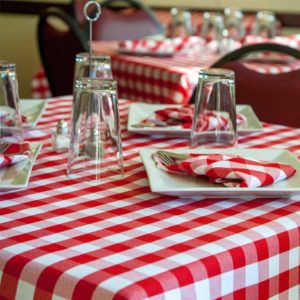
<point>256,48</point>
<point>59,41</point>
<point>275,98</point>
<point>120,19</point>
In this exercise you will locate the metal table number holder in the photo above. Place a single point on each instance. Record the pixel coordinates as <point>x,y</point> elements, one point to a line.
<point>96,14</point>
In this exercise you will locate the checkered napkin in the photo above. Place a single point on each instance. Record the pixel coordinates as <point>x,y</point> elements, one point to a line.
<point>161,47</point>
<point>7,120</point>
<point>229,170</point>
<point>182,117</point>
<point>14,153</point>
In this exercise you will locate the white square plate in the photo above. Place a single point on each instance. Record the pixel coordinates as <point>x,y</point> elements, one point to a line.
<point>141,111</point>
<point>32,109</point>
<point>17,176</point>
<point>187,186</point>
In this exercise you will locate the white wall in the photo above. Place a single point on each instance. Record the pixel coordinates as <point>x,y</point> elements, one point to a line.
<point>18,44</point>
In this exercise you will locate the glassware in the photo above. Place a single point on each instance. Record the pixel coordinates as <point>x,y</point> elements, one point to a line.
<point>214,121</point>
<point>181,23</point>
<point>60,138</point>
<point>233,21</point>
<point>234,30</point>
<point>213,26</point>
<point>265,24</point>
<point>10,115</point>
<point>100,66</point>
<point>95,144</point>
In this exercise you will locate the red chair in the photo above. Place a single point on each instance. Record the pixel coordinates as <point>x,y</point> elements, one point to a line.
<point>130,20</point>
<point>59,40</point>
<point>275,98</point>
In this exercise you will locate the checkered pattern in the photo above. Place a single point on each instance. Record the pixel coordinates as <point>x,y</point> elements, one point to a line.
<point>40,86</point>
<point>7,119</point>
<point>162,47</point>
<point>14,148</point>
<point>117,240</point>
<point>229,170</point>
<point>182,117</point>
<point>163,79</point>
<point>8,160</point>
<point>291,41</point>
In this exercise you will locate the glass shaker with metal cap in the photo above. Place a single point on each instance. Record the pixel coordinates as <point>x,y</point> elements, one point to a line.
<point>61,138</point>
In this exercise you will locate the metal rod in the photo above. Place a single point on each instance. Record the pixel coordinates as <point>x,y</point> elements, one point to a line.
<point>96,13</point>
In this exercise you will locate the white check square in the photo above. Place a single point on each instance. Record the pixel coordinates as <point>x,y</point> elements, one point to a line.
<point>251,274</point>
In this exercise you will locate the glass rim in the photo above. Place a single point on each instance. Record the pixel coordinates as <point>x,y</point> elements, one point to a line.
<point>233,12</point>
<point>217,73</point>
<point>265,12</point>
<point>212,15</point>
<point>86,55</point>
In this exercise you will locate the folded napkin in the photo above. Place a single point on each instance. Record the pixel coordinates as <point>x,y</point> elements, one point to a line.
<point>229,170</point>
<point>13,153</point>
<point>161,47</point>
<point>7,120</point>
<point>182,117</point>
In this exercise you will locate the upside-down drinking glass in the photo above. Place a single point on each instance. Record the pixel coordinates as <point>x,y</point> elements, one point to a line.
<point>10,116</point>
<point>265,24</point>
<point>213,26</point>
<point>95,146</point>
<point>100,66</point>
<point>181,24</point>
<point>233,21</point>
<point>214,121</point>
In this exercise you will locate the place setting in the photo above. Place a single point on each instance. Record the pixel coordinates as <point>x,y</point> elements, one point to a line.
<point>31,111</point>
<point>17,157</point>
<point>214,165</point>
<point>176,120</point>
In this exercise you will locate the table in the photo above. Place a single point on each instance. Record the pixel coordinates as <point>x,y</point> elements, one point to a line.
<point>160,80</point>
<point>118,240</point>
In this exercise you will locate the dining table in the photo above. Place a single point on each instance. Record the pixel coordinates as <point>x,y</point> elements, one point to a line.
<point>169,79</point>
<point>64,239</point>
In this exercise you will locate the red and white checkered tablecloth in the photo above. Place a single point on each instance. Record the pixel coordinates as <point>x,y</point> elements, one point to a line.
<point>61,239</point>
<point>161,79</point>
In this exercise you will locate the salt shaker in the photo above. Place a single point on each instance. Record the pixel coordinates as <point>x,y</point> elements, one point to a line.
<point>61,139</point>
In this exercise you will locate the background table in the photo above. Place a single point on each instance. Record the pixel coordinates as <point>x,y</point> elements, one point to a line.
<point>161,79</point>
<point>118,240</point>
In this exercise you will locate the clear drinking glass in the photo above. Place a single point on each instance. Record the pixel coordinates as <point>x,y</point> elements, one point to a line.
<point>100,66</point>
<point>10,116</point>
<point>265,24</point>
<point>213,26</point>
<point>233,21</point>
<point>214,122</point>
<point>95,145</point>
<point>181,22</point>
